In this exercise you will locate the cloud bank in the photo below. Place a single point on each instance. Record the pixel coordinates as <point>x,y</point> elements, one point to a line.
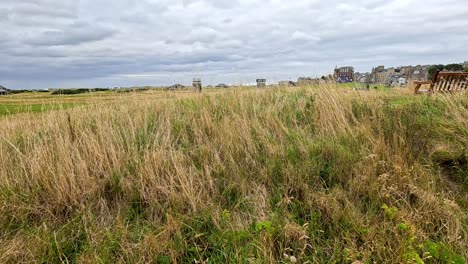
<point>87,43</point>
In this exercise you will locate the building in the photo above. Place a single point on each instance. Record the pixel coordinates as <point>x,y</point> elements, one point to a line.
<point>197,84</point>
<point>175,87</point>
<point>4,91</point>
<point>379,74</point>
<point>344,74</point>
<point>261,83</point>
<point>287,83</point>
<point>380,68</point>
<point>401,81</point>
<point>362,77</point>
<point>303,81</point>
<point>465,64</point>
<point>410,73</point>
<point>396,80</point>
<point>416,73</point>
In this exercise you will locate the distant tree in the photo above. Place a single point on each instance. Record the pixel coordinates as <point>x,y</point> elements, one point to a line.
<point>453,67</point>
<point>449,67</point>
<point>433,69</point>
<point>70,91</point>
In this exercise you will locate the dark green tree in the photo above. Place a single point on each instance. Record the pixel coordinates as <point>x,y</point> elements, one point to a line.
<point>433,69</point>
<point>453,67</point>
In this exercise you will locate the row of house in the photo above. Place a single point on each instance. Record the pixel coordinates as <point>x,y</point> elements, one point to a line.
<point>197,84</point>
<point>379,75</point>
<point>411,73</point>
<point>391,76</point>
<point>287,83</point>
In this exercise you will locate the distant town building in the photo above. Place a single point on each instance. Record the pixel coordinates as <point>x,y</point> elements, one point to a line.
<point>465,64</point>
<point>175,86</point>
<point>261,83</point>
<point>416,73</point>
<point>380,68</point>
<point>396,80</point>
<point>344,74</point>
<point>362,77</point>
<point>4,91</point>
<point>379,74</point>
<point>410,73</point>
<point>287,83</point>
<point>401,81</point>
<point>302,81</point>
<point>197,84</point>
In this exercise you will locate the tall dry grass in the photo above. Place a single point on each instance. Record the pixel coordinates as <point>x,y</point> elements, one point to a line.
<point>263,176</point>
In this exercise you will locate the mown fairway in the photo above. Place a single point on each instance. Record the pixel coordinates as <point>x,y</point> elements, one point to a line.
<point>318,174</point>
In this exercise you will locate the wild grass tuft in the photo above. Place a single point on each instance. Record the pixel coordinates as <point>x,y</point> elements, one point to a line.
<point>238,176</point>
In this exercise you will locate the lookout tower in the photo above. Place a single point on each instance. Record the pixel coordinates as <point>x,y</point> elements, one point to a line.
<point>197,84</point>
<point>261,83</point>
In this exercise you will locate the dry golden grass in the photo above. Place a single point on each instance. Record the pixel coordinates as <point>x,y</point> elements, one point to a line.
<point>264,176</point>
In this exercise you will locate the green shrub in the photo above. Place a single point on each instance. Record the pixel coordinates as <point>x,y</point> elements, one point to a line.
<point>70,91</point>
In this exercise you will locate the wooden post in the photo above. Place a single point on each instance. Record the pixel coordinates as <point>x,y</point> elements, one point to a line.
<point>434,81</point>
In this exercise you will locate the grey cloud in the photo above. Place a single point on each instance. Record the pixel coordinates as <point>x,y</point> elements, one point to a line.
<point>37,11</point>
<point>39,8</point>
<point>4,14</point>
<point>119,42</point>
<point>74,34</point>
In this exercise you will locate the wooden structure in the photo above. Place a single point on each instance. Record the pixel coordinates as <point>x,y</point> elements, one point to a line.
<point>261,83</point>
<point>444,82</point>
<point>197,84</point>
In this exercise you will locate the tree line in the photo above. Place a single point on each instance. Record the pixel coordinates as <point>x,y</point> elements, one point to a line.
<point>449,67</point>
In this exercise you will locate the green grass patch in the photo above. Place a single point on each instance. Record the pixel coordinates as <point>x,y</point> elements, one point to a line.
<point>11,109</point>
<point>372,86</point>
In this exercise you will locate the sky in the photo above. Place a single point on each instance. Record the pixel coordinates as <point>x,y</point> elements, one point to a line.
<point>107,43</point>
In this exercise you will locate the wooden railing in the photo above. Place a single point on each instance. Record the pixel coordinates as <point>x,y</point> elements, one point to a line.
<point>445,82</point>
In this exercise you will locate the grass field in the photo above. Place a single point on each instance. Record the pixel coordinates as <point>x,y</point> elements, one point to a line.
<point>42,102</point>
<point>287,175</point>
<point>9,109</point>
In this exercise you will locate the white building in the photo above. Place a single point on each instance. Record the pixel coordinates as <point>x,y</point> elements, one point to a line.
<point>401,81</point>
<point>4,91</point>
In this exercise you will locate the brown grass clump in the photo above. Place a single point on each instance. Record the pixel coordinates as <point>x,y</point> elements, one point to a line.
<point>306,175</point>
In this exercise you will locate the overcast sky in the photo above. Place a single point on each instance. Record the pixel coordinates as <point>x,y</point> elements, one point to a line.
<point>105,43</point>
